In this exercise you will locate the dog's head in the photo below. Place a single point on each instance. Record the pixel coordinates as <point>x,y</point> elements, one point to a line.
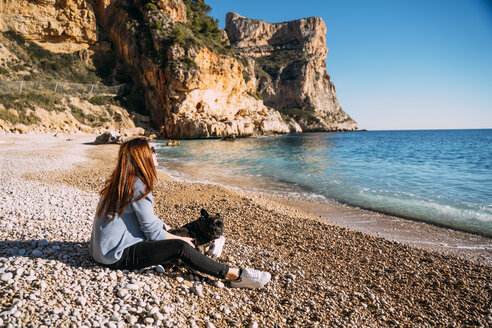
<point>211,225</point>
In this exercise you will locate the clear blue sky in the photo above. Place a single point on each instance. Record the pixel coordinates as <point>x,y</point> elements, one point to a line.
<point>398,64</point>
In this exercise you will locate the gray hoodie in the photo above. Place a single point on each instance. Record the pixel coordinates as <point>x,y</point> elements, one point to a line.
<point>136,224</point>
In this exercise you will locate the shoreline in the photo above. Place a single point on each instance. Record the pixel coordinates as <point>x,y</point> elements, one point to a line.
<point>412,232</point>
<point>323,274</point>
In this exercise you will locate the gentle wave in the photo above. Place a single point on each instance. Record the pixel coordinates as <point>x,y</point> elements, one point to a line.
<point>442,177</point>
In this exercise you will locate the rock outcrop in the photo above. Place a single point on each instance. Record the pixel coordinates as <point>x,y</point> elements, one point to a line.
<point>193,84</point>
<point>190,91</point>
<point>287,67</point>
<point>57,25</point>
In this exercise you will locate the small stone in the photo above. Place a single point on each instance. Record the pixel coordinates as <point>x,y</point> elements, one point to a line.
<point>21,252</point>
<point>43,284</point>
<point>57,310</point>
<point>149,320</point>
<point>219,284</point>
<point>122,292</point>
<point>43,243</point>
<point>132,319</point>
<point>167,309</point>
<point>160,269</point>
<point>197,290</point>
<point>6,276</point>
<point>253,324</point>
<point>19,271</point>
<point>37,253</point>
<point>290,276</point>
<point>179,279</point>
<point>132,287</point>
<point>81,300</point>
<point>158,316</point>
<point>209,325</point>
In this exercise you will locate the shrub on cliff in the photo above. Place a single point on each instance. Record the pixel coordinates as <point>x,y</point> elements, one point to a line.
<point>46,65</point>
<point>205,28</point>
<point>277,62</point>
<point>300,115</point>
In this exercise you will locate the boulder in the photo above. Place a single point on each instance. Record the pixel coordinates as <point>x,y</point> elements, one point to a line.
<point>110,137</point>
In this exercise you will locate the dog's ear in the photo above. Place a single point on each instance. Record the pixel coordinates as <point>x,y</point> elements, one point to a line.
<point>204,213</point>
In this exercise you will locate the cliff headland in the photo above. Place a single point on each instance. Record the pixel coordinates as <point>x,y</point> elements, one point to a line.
<point>184,77</point>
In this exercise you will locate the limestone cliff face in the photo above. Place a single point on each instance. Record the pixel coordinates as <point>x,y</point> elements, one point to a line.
<point>190,92</point>
<point>287,66</point>
<point>57,25</point>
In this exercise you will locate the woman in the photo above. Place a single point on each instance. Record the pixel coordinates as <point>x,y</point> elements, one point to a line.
<point>127,235</point>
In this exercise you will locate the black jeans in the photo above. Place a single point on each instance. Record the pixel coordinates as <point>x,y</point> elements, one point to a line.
<point>154,252</point>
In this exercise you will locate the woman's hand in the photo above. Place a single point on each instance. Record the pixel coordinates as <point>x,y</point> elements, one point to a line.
<point>188,240</point>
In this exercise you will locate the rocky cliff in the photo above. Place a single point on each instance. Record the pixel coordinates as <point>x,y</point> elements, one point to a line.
<point>287,67</point>
<point>191,81</point>
<point>58,25</point>
<point>190,91</point>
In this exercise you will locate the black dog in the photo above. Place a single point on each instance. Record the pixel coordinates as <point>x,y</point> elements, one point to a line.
<point>204,230</point>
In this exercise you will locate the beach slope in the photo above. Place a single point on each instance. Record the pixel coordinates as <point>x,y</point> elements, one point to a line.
<point>324,275</point>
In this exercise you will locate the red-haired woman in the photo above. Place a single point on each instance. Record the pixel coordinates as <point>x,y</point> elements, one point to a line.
<point>127,235</point>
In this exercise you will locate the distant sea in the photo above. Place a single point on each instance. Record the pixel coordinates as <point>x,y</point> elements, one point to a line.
<point>443,177</point>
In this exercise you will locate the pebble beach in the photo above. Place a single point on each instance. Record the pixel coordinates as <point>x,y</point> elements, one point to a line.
<point>323,274</point>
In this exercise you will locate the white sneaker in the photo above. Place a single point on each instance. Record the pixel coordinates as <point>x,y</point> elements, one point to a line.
<point>251,278</point>
<point>217,248</point>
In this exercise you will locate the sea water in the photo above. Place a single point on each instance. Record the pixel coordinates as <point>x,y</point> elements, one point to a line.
<point>442,177</point>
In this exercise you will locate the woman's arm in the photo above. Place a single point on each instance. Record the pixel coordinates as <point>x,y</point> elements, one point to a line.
<point>151,226</point>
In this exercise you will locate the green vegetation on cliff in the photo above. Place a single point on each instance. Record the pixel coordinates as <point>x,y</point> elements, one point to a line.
<point>50,81</point>
<point>280,64</point>
<point>34,63</point>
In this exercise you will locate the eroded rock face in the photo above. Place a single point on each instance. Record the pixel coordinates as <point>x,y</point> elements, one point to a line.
<point>287,66</point>
<point>190,93</point>
<point>57,25</point>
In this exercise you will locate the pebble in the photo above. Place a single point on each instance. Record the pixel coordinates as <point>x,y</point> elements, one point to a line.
<point>6,276</point>
<point>219,284</point>
<point>149,320</point>
<point>132,287</point>
<point>81,300</point>
<point>37,253</point>
<point>290,276</point>
<point>197,290</point>
<point>253,324</point>
<point>122,292</point>
<point>73,291</point>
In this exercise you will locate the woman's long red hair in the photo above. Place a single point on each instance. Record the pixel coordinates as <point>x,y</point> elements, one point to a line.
<point>134,160</point>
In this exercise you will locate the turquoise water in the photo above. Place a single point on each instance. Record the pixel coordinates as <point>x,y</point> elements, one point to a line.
<point>442,177</point>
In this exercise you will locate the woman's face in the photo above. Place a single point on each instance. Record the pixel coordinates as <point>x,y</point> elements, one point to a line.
<point>154,155</point>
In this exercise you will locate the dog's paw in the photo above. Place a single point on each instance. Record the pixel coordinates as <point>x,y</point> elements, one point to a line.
<point>217,247</point>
